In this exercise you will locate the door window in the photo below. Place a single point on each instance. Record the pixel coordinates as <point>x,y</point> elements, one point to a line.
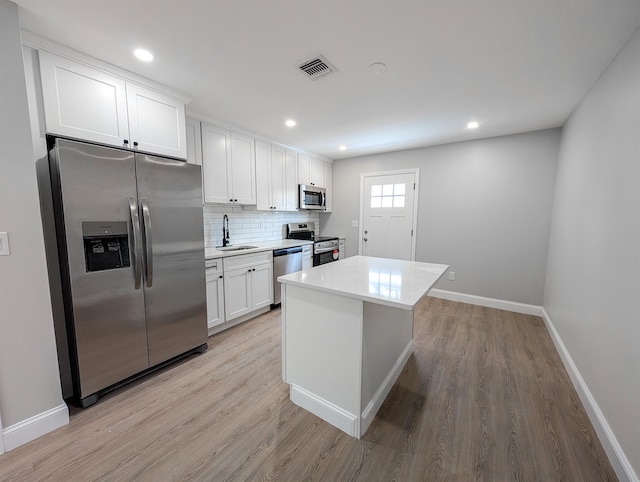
<point>388,195</point>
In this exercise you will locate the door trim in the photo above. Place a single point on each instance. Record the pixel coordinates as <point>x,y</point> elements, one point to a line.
<point>363,176</point>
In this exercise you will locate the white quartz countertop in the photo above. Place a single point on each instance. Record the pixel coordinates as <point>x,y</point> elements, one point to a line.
<point>390,282</point>
<point>212,253</point>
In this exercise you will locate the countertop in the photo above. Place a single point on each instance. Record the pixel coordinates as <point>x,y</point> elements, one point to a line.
<point>212,253</point>
<point>391,282</point>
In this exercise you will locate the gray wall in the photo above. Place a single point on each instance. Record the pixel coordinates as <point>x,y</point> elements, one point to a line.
<point>29,380</point>
<point>592,292</point>
<point>484,208</point>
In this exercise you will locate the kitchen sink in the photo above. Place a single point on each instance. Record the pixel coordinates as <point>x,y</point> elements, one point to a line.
<point>234,248</point>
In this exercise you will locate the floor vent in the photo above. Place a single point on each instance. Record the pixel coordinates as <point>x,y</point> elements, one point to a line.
<point>317,67</point>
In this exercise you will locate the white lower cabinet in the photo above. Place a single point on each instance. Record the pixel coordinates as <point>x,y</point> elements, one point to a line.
<point>307,257</point>
<point>215,293</point>
<point>248,283</point>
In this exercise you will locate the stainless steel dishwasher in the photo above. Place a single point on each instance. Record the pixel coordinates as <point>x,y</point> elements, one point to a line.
<point>285,261</point>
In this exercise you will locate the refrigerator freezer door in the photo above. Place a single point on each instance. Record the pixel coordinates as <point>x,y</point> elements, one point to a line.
<point>170,200</point>
<point>107,312</point>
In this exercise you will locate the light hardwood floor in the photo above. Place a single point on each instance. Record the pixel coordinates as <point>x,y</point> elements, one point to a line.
<point>483,397</point>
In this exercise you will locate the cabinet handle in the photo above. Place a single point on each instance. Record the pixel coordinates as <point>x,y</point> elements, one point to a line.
<point>220,276</point>
<point>126,142</point>
<point>135,143</point>
<point>235,200</point>
<point>254,269</point>
<point>249,270</point>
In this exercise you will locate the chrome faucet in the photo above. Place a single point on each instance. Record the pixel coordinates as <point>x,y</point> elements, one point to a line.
<point>225,230</point>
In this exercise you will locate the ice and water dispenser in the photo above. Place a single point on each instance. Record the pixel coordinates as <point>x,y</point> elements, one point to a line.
<point>106,245</point>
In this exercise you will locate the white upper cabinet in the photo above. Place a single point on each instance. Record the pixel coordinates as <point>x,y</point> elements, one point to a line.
<point>83,102</point>
<point>229,166</point>
<point>156,122</point>
<point>194,142</point>
<point>243,169</point>
<point>328,184</point>
<point>91,104</point>
<point>216,157</point>
<point>310,170</point>
<point>270,177</point>
<point>291,180</point>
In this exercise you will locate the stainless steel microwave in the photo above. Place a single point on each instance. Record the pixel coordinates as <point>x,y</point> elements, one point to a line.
<point>312,197</point>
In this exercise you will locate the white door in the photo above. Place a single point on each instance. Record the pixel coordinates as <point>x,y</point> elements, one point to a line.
<point>216,157</point>
<point>237,290</point>
<point>278,195</point>
<point>388,214</point>
<point>156,122</point>
<point>261,286</point>
<point>243,169</point>
<point>215,298</point>
<point>83,102</point>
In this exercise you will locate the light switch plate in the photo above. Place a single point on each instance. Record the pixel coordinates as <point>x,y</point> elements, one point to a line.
<point>354,224</point>
<point>4,244</point>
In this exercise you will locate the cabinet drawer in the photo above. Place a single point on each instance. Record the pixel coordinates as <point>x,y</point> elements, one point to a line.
<point>214,264</point>
<point>241,261</point>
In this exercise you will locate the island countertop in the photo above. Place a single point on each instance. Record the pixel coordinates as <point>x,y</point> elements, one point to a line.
<point>391,282</point>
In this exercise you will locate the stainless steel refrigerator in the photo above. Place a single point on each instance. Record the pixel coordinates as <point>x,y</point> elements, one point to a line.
<point>130,245</point>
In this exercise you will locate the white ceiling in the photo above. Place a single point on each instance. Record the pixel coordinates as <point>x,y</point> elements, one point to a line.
<point>513,65</point>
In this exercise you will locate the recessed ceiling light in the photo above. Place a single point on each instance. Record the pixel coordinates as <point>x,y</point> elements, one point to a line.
<point>472,125</point>
<point>377,68</point>
<point>143,55</point>
<point>290,123</point>
<point>343,147</point>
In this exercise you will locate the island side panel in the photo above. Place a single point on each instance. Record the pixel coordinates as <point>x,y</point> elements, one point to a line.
<point>387,346</point>
<point>322,335</point>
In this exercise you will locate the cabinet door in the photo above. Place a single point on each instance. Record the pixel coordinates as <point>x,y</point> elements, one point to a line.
<point>263,176</point>
<point>278,198</point>
<point>216,158</point>
<point>304,169</point>
<point>243,169</point>
<point>307,262</point>
<point>215,298</point>
<point>194,142</point>
<point>291,180</point>
<point>156,122</point>
<point>83,102</point>
<point>316,173</point>
<point>262,285</point>
<point>237,289</point>
<point>328,184</point>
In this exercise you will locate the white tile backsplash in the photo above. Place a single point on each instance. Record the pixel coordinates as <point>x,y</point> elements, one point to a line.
<point>250,226</point>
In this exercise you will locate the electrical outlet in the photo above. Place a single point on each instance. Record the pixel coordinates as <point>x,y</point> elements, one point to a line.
<point>4,244</point>
<point>452,275</point>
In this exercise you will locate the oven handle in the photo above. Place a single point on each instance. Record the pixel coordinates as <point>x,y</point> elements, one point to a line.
<point>326,250</point>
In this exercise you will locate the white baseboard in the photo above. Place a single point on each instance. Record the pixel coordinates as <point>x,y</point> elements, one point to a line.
<point>336,416</point>
<point>385,387</point>
<point>488,302</point>
<point>34,427</point>
<point>609,442</point>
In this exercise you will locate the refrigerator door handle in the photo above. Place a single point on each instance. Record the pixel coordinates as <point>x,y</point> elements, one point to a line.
<point>146,217</point>
<point>137,258</point>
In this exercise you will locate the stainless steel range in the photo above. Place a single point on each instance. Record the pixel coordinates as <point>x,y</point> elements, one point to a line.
<point>326,249</point>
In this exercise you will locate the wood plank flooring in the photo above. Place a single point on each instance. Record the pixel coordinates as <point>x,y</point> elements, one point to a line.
<point>483,397</point>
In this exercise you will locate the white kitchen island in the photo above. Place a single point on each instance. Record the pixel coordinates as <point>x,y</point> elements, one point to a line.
<point>347,333</point>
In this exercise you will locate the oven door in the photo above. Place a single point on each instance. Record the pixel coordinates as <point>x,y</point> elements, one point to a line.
<point>326,257</point>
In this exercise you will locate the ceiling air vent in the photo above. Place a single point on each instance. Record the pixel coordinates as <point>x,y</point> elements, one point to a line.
<point>317,67</point>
